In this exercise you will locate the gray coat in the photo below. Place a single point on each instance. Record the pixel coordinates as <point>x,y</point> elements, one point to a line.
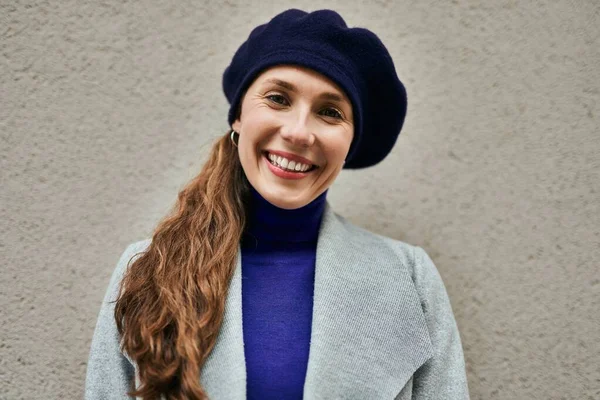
<point>382,328</point>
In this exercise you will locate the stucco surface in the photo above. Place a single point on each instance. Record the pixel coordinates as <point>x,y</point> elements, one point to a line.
<point>108,108</point>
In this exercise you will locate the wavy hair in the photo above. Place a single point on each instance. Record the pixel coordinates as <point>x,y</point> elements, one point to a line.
<point>171,299</point>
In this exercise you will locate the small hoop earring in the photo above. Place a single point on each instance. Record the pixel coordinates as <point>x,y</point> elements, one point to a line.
<point>232,137</point>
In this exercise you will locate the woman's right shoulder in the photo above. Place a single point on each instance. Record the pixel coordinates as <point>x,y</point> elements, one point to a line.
<point>132,251</point>
<point>134,248</point>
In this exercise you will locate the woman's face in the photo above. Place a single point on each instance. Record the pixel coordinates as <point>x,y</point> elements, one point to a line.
<point>295,130</point>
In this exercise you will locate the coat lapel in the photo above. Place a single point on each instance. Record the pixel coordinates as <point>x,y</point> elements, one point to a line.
<point>368,330</point>
<point>369,333</point>
<point>223,375</point>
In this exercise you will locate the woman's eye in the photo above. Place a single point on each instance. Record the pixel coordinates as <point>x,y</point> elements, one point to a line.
<point>281,100</point>
<point>334,113</point>
<point>276,98</point>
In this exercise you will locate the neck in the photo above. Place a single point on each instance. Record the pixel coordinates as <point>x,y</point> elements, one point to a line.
<point>269,223</point>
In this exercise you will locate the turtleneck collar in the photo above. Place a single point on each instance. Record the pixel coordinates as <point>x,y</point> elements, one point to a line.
<point>269,223</point>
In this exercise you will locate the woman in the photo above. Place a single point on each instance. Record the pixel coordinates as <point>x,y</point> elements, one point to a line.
<point>254,287</point>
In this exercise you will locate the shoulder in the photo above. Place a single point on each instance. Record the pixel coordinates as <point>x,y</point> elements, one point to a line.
<point>131,252</point>
<point>137,247</point>
<point>389,251</point>
<point>376,245</point>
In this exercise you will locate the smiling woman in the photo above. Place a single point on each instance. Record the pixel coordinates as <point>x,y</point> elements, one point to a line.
<point>293,116</point>
<point>253,288</point>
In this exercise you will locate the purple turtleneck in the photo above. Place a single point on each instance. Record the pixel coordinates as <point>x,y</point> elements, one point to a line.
<point>278,269</point>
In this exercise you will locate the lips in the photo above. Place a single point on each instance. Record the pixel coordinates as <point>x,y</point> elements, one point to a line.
<point>288,165</point>
<point>282,168</point>
<point>291,157</point>
<point>284,173</point>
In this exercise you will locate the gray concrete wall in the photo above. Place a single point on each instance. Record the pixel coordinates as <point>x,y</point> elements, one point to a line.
<point>107,109</point>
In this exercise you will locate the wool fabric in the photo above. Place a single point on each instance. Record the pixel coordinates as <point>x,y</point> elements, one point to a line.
<point>278,268</point>
<point>353,58</point>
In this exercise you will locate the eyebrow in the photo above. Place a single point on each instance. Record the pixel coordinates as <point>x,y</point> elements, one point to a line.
<point>286,85</point>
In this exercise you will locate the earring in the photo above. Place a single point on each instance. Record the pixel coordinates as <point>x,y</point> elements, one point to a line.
<point>232,137</point>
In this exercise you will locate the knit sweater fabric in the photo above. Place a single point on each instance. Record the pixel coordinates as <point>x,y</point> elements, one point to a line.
<point>278,269</point>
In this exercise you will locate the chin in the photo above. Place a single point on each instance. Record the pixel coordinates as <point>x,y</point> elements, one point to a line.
<point>282,199</point>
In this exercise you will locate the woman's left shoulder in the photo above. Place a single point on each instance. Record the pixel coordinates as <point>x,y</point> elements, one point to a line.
<point>391,250</point>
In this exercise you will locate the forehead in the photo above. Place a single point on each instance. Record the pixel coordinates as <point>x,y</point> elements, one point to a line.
<point>300,77</point>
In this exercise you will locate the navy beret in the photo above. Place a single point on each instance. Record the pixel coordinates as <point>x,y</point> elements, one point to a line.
<point>353,58</point>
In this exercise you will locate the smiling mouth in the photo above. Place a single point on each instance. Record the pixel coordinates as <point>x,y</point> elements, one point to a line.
<point>274,163</point>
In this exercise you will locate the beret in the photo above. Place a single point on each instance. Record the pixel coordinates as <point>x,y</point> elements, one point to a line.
<point>354,58</point>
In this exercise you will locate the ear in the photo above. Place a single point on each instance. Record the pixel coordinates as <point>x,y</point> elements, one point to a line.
<point>237,124</point>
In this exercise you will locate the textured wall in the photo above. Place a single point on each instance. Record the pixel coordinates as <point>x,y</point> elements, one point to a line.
<point>107,109</point>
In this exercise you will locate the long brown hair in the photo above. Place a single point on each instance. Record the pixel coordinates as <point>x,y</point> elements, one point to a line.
<point>172,298</point>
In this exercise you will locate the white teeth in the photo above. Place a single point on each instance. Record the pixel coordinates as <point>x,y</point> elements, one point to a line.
<point>287,164</point>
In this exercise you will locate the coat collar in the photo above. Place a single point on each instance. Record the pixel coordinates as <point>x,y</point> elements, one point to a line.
<point>369,333</point>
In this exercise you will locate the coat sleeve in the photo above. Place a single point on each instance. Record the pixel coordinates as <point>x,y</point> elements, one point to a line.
<point>443,376</point>
<point>109,372</point>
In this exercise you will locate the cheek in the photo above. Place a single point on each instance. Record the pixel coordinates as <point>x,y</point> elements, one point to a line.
<point>338,149</point>
<point>257,125</point>
<point>259,114</point>
<point>247,150</point>
<point>250,130</point>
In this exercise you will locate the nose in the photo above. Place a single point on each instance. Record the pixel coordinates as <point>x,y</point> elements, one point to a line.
<point>297,132</point>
